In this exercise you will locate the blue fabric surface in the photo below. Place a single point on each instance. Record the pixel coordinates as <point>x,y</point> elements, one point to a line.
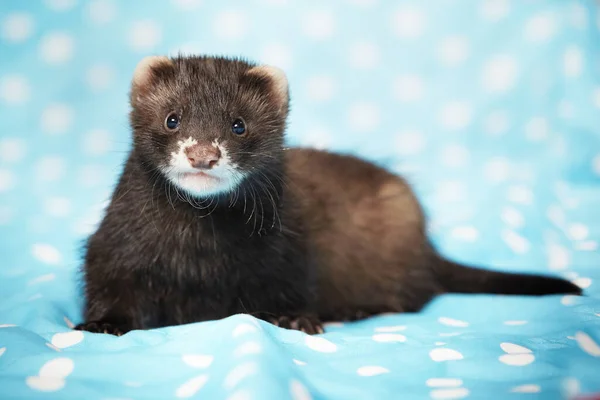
<point>490,108</point>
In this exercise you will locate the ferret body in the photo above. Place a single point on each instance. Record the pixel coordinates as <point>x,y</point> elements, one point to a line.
<point>212,216</point>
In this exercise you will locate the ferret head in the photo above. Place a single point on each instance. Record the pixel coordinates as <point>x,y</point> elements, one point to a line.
<point>207,123</point>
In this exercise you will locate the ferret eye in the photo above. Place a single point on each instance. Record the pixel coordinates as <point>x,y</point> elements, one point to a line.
<point>172,122</point>
<point>238,127</point>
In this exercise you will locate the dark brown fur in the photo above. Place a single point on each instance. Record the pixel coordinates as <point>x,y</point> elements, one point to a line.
<point>306,236</point>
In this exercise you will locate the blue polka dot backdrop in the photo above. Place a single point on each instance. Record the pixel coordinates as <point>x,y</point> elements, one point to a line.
<point>489,108</point>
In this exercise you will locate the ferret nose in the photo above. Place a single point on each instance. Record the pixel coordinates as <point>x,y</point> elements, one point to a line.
<point>203,156</point>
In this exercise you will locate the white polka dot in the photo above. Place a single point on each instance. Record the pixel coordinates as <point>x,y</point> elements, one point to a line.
<point>277,54</point>
<point>372,370</point>
<point>101,12</point>
<point>456,115</point>
<point>443,382</point>
<point>7,180</point>
<point>569,300</point>
<point>465,233</point>
<point>387,329</point>
<point>515,322</point>
<point>57,118</point>
<point>60,5</point>
<point>298,362</point>
<point>42,278</point>
<point>573,61</point>
<point>91,175</point>
<point>537,129</point>
<point>99,77</point>
<point>318,24</point>
<point>578,231</point>
<point>14,89</point>
<point>499,74</point>
<point>451,191</point>
<point>440,343</point>
<point>408,88</point>
<point>50,169</point>
<point>144,35</point>
<point>45,384</point>
<point>197,360</point>
<point>512,348</point>
<point>239,373</point>
<point>320,344</point>
<point>596,97</point>
<point>248,348</point>
<point>515,242</point>
<point>67,339</point>
<point>540,28</point>
<point>56,48</point>
<point>587,344</point>
<point>17,27</point>
<point>496,123</point>
<point>191,386</point>
<point>408,22</point>
<point>558,257</point>
<point>320,88</point>
<point>242,329</point>
<point>96,142</point>
<point>495,10</point>
<point>571,388</point>
<point>526,389</point>
<point>299,391</point>
<point>520,195</point>
<point>452,322</point>
<point>187,5</point>
<point>57,206</point>
<point>512,217</point>
<point>12,149</point>
<point>457,393</point>
<point>589,245</point>
<point>455,156</point>
<point>565,109</point>
<point>556,215</point>
<point>445,354</point>
<point>389,337</point>
<point>410,142</point>
<point>579,16</point>
<point>583,282</point>
<point>317,137</point>
<point>364,117</point>
<point>453,50</point>
<point>240,395</point>
<point>364,55</point>
<point>57,368</point>
<point>46,253</point>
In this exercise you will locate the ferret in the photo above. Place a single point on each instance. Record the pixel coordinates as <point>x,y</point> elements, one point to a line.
<point>213,216</point>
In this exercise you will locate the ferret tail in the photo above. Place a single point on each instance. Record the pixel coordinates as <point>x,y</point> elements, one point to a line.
<point>457,278</point>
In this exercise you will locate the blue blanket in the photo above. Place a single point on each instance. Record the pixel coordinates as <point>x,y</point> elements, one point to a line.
<point>490,108</point>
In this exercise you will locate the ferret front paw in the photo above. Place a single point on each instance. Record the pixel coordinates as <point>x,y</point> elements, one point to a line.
<point>305,323</point>
<point>101,327</point>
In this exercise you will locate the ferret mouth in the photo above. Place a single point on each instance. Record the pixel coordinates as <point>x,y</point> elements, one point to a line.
<point>202,183</point>
<point>200,175</point>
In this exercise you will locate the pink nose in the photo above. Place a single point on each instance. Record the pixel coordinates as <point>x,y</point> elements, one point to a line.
<point>203,156</point>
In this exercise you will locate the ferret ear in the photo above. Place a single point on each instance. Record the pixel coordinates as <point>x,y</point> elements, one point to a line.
<point>145,74</point>
<point>278,83</point>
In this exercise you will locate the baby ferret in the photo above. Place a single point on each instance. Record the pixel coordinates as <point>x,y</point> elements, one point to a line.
<point>214,216</point>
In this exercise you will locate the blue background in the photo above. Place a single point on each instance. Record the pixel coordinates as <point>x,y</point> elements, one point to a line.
<point>490,108</point>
